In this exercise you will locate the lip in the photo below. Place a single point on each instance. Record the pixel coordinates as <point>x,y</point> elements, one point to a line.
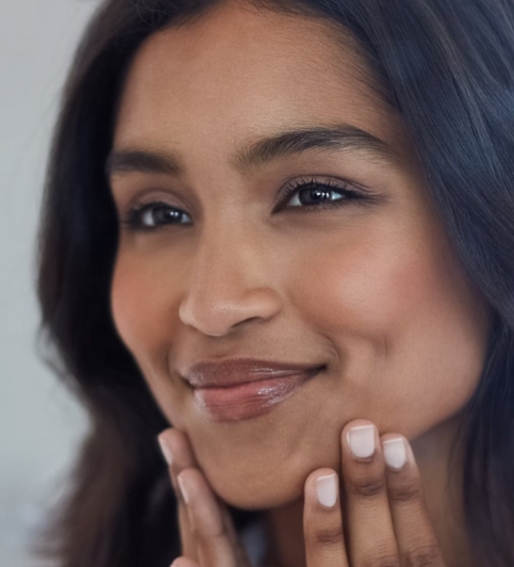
<point>236,371</point>
<point>237,389</point>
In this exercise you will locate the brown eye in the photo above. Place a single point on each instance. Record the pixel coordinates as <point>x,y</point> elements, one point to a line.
<point>302,195</point>
<point>154,215</point>
<point>315,195</point>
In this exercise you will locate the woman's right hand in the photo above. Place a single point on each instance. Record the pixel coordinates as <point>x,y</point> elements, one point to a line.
<point>208,536</point>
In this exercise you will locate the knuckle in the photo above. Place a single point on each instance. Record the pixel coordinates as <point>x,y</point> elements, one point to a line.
<point>195,532</point>
<point>423,556</point>
<point>405,491</point>
<point>329,536</point>
<point>368,487</point>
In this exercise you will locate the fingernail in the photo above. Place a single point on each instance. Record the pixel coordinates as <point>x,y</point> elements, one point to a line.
<point>395,453</point>
<point>326,490</point>
<point>183,489</point>
<point>166,451</point>
<point>362,441</point>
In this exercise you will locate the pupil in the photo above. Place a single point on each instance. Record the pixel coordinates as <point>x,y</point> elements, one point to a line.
<point>316,195</point>
<point>164,215</point>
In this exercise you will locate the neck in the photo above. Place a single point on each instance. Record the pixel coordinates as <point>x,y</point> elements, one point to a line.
<point>442,495</point>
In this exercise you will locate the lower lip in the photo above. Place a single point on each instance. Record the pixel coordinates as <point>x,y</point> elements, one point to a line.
<point>248,400</point>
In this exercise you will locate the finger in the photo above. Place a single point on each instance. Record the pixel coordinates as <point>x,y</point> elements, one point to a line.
<point>181,446</point>
<point>215,548</point>
<point>177,452</point>
<point>371,536</point>
<point>416,538</point>
<point>322,521</point>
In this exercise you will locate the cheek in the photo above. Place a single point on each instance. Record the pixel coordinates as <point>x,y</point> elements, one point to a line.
<point>144,301</point>
<point>131,305</point>
<point>139,306</point>
<point>364,290</point>
<point>410,335</point>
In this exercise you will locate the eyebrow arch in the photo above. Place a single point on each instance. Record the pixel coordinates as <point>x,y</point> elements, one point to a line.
<point>337,137</point>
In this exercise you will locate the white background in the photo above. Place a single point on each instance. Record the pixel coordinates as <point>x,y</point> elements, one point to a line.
<point>40,424</point>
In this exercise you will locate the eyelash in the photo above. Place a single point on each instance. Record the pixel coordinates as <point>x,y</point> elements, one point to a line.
<point>133,220</point>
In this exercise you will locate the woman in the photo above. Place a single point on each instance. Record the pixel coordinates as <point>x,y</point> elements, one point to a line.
<point>339,379</point>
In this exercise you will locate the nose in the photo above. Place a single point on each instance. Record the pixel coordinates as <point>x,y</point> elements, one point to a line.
<point>229,283</point>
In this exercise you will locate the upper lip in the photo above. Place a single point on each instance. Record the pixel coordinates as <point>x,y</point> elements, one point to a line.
<point>232,372</point>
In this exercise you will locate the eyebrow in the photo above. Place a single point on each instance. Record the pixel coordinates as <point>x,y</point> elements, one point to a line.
<point>338,137</point>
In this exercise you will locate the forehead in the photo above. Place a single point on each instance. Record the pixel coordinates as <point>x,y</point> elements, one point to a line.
<point>237,71</point>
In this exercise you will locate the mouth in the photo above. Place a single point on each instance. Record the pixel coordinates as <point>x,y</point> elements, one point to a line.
<point>250,399</point>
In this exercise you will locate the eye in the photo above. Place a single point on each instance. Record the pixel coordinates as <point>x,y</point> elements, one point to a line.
<point>309,195</point>
<point>151,216</point>
<point>303,195</point>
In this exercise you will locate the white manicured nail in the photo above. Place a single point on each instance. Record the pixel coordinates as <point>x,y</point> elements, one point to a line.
<point>183,489</point>
<point>166,451</point>
<point>395,453</point>
<point>326,490</point>
<point>362,441</point>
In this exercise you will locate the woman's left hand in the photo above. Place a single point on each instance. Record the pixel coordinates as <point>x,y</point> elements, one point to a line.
<point>387,522</point>
<point>384,524</point>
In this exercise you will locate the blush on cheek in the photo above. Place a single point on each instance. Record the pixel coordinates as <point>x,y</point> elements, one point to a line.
<point>126,308</point>
<point>362,292</point>
<point>139,312</point>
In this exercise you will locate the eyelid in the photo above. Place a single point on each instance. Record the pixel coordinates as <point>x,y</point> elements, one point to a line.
<point>153,195</point>
<point>134,214</point>
<point>297,184</point>
<point>353,192</point>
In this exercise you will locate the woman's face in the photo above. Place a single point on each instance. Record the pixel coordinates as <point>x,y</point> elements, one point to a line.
<point>371,288</point>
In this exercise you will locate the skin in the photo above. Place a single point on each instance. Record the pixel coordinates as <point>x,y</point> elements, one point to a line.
<point>376,292</point>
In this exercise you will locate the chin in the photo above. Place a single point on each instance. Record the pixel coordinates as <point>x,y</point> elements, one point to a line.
<point>270,489</point>
<point>269,480</point>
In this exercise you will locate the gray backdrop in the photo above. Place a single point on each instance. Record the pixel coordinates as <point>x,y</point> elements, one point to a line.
<point>39,422</point>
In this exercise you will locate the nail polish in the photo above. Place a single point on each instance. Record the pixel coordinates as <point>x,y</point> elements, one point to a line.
<point>361,440</point>
<point>183,489</point>
<point>326,490</point>
<point>395,453</point>
<point>166,451</point>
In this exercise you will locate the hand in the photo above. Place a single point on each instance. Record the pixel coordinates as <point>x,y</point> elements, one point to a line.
<point>384,523</point>
<point>207,533</point>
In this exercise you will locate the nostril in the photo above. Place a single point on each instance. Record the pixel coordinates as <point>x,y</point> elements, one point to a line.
<point>246,321</point>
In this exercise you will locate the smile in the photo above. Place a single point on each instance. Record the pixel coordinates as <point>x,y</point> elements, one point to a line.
<point>249,399</point>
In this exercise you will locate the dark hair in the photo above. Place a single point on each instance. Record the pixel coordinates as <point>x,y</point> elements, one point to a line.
<point>447,66</point>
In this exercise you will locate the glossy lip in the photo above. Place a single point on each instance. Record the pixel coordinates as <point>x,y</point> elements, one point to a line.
<point>237,371</point>
<point>243,388</point>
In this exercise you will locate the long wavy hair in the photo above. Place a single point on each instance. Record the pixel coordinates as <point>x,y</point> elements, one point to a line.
<point>447,66</point>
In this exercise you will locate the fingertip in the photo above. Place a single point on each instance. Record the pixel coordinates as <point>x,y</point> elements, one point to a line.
<point>322,487</point>
<point>166,449</point>
<point>310,481</point>
<point>178,446</point>
<point>355,424</point>
<point>394,450</point>
<point>187,483</point>
<point>359,440</point>
<point>322,519</point>
<point>397,451</point>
